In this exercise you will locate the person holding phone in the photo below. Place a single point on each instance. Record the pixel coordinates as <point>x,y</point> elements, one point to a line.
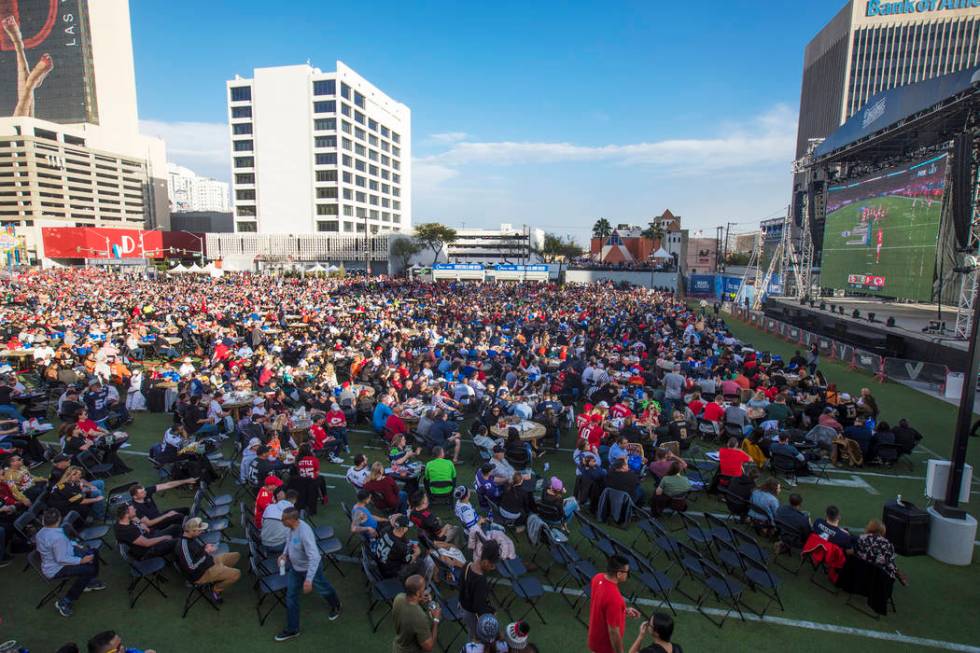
<point>660,628</point>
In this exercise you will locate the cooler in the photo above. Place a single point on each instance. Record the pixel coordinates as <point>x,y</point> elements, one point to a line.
<point>907,527</point>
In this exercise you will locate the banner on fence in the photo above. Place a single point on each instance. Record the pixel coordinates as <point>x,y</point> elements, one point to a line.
<point>901,369</point>
<point>867,361</point>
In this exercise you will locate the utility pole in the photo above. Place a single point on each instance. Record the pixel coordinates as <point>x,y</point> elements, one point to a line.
<point>367,246</point>
<point>724,256</point>
<point>718,231</point>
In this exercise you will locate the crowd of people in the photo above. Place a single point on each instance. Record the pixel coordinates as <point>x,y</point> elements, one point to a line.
<point>284,367</point>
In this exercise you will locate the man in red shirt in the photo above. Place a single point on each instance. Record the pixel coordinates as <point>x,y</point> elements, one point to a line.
<point>714,411</point>
<point>322,440</point>
<point>395,425</point>
<point>620,410</point>
<point>607,609</point>
<point>266,497</point>
<point>337,425</point>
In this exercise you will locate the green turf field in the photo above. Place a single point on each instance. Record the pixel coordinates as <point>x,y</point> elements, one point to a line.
<point>936,612</point>
<point>909,230</point>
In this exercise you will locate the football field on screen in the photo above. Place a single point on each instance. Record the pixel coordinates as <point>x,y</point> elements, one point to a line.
<point>907,258</point>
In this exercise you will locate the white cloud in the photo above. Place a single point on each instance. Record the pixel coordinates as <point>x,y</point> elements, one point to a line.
<point>201,146</point>
<point>768,138</point>
<point>448,137</point>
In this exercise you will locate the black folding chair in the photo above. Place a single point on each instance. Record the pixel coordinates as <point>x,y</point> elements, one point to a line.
<point>594,535</point>
<point>698,535</point>
<point>718,529</point>
<point>145,573</point>
<point>738,508</point>
<point>692,564</point>
<point>269,585</point>
<point>56,585</point>
<point>784,466</point>
<point>525,588</point>
<point>196,592</point>
<point>761,579</point>
<point>726,590</point>
<point>381,591</point>
<point>92,466</point>
<point>792,540</point>
<point>748,546</point>
<point>452,612</point>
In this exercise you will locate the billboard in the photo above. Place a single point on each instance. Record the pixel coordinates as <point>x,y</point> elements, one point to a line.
<point>100,243</point>
<point>45,61</point>
<point>882,232</point>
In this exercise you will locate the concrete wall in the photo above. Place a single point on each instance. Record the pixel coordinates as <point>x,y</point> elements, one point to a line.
<point>639,278</point>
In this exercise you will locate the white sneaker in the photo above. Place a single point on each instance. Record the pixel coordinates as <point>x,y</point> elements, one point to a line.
<point>336,461</point>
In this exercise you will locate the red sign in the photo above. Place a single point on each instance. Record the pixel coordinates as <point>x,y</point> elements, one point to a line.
<point>92,242</point>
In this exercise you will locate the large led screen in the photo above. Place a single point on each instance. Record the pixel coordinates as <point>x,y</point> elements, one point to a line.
<point>881,232</point>
<point>45,57</point>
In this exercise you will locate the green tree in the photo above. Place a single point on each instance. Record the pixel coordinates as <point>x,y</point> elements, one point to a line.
<point>653,232</point>
<point>433,235</point>
<point>403,249</point>
<point>738,258</point>
<point>602,229</point>
<point>556,246</point>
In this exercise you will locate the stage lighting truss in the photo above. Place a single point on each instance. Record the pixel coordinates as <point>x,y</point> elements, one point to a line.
<point>971,279</point>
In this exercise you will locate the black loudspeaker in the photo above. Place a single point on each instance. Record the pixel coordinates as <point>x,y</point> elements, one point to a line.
<point>907,527</point>
<point>156,400</point>
<point>961,182</point>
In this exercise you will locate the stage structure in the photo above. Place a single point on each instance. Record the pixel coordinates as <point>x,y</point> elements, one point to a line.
<point>899,182</point>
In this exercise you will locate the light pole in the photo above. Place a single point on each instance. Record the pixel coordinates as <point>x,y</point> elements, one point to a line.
<point>200,242</point>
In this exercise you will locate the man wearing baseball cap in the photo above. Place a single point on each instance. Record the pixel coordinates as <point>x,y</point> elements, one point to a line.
<point>199,562</point>
<point>266,497</point>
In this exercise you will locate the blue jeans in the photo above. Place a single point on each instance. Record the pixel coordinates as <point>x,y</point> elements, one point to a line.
<point>402,501</point>
<point>84,574</point>
<point>341,435</point>
<point>98,509</point>
<point>294,590</point>
<point>11,411</point>
<point>206,430</point>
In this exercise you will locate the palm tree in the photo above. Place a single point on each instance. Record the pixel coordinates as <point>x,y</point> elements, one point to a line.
<point>653,232</point>
<point>602,229</point>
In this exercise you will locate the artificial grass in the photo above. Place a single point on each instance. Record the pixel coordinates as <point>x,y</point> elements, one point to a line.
<point>935,606</point>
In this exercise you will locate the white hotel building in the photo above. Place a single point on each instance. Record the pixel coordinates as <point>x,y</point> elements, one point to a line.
<point>316,151</point>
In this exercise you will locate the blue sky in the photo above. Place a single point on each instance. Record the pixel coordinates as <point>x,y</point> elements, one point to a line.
<point>545,113</point>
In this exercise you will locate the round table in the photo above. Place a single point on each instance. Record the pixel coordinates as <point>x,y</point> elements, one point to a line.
<point>234,406</point>
<point>528,430</point>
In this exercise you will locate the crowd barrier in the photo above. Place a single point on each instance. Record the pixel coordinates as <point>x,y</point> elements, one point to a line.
<point>881,367</point>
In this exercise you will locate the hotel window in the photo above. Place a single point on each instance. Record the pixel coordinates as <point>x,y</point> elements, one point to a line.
<point>373,170</point>
<point>373,155</point>
<point>396,218</point>
<point>247,211</point>
<point>361,213</point>
<point>344,91</point>
<point>349,212</point>
<point>385,174</point>
<point>384,202</point>
<point>361,197</point>
<point>327,209</point>
<point>395,137</point>
<point>348,227</point>
<point>374,200</point>
<point>325,106</point>
<point>325,141</point>
<point>372,124</point>
<point>328,225</point>
<point>360,150</point>
<point>324,87</point>
<point>360,166</point>
<point>358,99</point>
<point>326,175</point>
<point>385,132</point>
<point>244,178</point>
<point>246,227</point>
<point>345,127</point>
<point>359,117</point>
<point>372,140</point>
<point>396,151</point>
<point>395,204</point>
<point>385,146</point>
<point>244,162</point>
<point>374,214</point>
<point>328,193</point>
<point>348,161</point>
<point>360,133</point>
<point>385,188</point>
<point>348,194</point>
<point>325,124</point>
<point>345,109</point>
<point>348,178</point>
<point>348,144</point>
<point>326,158</point>
<point>241,93</point>
<point>373,185</point>
<point>241,112</point>
<point>385,160</point>
<point>245,194</point>
<point>396,178</point>
<point>360,181</point>
<point>243,146</point>
<point>240,128</point>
